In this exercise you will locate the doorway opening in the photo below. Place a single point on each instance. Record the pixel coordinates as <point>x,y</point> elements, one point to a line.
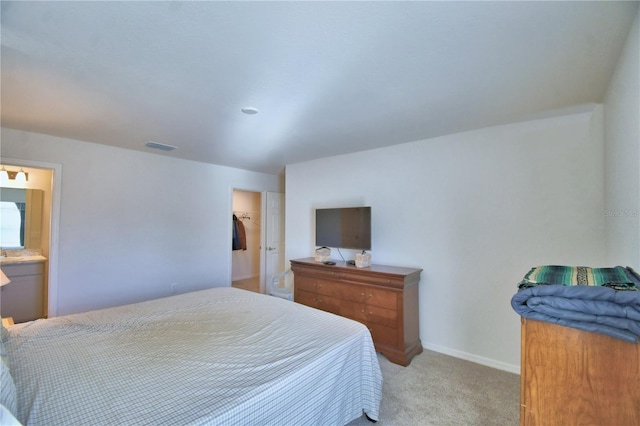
<point>34,294</point>
<point>246,243</point>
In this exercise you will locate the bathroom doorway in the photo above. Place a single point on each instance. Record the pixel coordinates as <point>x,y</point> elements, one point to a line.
<point>29,297</point>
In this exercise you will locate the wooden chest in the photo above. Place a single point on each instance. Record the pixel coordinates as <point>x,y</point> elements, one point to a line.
<point>576,377</point>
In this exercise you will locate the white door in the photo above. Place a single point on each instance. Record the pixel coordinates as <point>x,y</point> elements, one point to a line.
<point>274,235</point>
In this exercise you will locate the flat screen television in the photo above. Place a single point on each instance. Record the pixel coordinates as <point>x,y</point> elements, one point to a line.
<point>347,227</point>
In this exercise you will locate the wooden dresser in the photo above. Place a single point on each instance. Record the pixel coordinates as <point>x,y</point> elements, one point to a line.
<point>576,377</point>
<point>384,298</point>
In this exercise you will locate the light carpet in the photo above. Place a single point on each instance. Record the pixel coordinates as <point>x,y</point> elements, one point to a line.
<point>437,389</point>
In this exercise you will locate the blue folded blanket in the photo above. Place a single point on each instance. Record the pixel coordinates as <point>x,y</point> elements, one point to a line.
<point>599,309</point>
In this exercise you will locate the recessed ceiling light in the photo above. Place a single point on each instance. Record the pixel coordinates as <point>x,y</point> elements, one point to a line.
<point>250,110</point>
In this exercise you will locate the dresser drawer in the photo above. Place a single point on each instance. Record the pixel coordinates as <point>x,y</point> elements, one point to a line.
<point>317,285</point>
<point>356,293</point>
<point>304,283</point>
<point>371,279</point>
<point>369,314</point>
<point>383,335</point>
<point>319,301</point>
<point>370,296</point>
<point>321,273</point>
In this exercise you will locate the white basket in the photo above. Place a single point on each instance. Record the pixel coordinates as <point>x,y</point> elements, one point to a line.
<point>323,254</point>
<point>363,260</point>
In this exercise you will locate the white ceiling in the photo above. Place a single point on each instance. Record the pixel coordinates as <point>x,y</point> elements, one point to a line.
<point>328,77</point>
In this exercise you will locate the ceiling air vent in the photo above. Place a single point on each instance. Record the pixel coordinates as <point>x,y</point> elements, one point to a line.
<point>161,146</point>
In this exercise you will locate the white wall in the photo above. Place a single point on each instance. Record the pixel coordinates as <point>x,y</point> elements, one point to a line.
<point>132,223</point>
<point>475,210</point>
<point>622,155</point>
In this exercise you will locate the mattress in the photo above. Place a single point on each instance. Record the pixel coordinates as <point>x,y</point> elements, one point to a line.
<point>217,356</point>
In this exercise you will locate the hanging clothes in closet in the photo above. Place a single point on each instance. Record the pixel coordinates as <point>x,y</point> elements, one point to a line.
<point>239,241</point>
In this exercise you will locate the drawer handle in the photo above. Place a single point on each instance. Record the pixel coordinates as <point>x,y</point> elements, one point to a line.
<point>316,285</point>
<point>317,299</point>
<point>366,297</point>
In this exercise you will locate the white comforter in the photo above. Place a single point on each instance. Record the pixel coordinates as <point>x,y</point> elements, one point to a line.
<point>218,356</point>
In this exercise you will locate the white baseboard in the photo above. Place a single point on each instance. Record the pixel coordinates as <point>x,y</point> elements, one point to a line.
<point>511,368</point>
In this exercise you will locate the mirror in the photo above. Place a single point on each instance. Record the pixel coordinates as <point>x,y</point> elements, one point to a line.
<point>21,211</point>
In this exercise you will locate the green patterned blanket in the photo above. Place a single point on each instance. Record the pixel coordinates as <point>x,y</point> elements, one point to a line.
<point>617,278</point>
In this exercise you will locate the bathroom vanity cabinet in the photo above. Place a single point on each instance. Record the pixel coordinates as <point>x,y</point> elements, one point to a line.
<point>24,297</point>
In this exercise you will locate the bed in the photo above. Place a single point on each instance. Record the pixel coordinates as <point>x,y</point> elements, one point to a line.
<point>217,356</point>
<point>580,357</point>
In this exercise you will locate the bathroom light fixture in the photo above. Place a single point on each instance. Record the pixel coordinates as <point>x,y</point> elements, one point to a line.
<point>250,110</point>
<point>20,176</point>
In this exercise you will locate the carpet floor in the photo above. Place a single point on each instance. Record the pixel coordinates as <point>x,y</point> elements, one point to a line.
<point>437,389</point>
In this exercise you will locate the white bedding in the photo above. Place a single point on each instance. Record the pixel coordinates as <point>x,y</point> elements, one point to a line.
<point>218,356</point>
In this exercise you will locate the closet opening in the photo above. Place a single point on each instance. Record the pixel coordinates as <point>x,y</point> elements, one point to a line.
<point>246,241</point>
